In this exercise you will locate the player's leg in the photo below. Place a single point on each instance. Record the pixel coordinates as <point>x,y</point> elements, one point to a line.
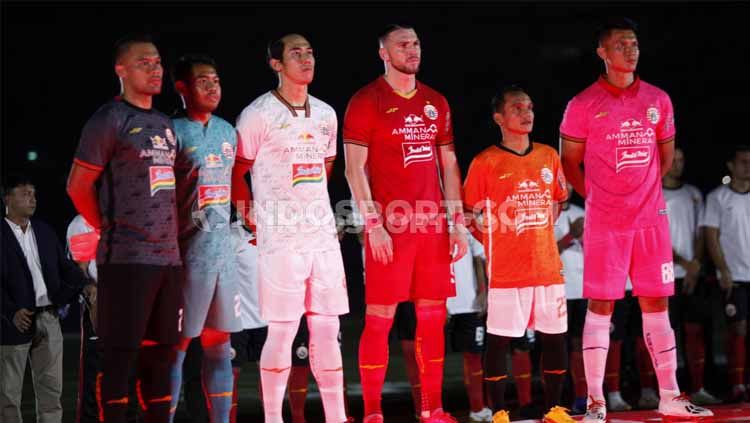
<point>175,374</point>
<point>300,373</point>
<point>467,336</point>
<point>521,368</point>
<point>736,312</point>
<point>90,365</point>
<point>385,287</point>
<point>615,402</point>
<point>576,318</point>
<point>240,351</point>
<point>405,324</point>
<point>595,348</point>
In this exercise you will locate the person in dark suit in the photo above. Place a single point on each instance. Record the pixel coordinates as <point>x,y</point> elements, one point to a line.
<point>36,278</point>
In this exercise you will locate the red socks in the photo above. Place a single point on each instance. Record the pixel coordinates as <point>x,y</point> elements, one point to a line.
<point>645,367</point>
<point>474,380</point>
<point>522,376</point>
<point>297,391</point>
<point>373,360</point>
<point>736,358</point>
<point>429,350</point>
<point>412,372</point>
<point>695,351</point>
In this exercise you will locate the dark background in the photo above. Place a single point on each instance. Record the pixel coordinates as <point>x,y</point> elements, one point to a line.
<point>57,68</point>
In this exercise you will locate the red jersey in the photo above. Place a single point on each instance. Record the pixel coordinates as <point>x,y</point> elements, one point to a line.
<point>402,134</point>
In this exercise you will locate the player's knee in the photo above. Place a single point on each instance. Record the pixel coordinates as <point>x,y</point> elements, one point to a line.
<point>653,304</point>
<point>323,327</point>
<point>603,307</point>
<point>212,337</point>
<point>386,311</point>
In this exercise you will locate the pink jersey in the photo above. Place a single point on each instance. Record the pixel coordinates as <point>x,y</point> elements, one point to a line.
<point>621,129</point>
<point>290,147</point>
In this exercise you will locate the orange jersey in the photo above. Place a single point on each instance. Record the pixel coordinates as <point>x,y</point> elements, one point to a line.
<point>515,194</point>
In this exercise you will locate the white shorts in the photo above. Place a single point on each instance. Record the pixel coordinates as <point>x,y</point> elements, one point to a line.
<point>292,284</point>
<point>510,311</point>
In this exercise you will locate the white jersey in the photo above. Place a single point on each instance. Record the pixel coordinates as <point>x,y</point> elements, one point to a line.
<point>290,147</point>
<point>572,257</point>
<point>466,281</point>
<point>247,277</point>
<point>76,227</point>
<point>729,211</point>
<point>684,205</point>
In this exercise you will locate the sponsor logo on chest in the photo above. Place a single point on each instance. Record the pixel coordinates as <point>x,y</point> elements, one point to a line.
<point>213,195</point>
<point>160,178</point>
<point>414,128</point>
<point>415,152</point>
<point>634,141</point>
<point>303,173</point>
<point>532,204</point>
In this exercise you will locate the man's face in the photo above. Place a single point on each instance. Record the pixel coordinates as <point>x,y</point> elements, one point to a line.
<point>740,166</point>
<point>21,201</point>
<point>402,50</point>
<point>203,91</point>
<point>620,51</point>
<point>678,164</point>
<point>140,69</point>
<point>517,115</point>
<point>298,64</point>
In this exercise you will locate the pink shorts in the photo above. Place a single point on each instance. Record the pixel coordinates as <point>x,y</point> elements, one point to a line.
<point>610,256</point>
<point>292,284</point>
<point>510,311</point>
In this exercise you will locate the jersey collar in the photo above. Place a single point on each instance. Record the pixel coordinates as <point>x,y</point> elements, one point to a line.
<point>293,109</point>
<point>629,91</point>
<point>407,96</point>
<point>525,153</point>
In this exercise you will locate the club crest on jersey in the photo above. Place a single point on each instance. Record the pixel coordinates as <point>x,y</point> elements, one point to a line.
<point>160,178</point>
<point>159,143</point>
<point>632,157</point>
<point>227,150</point>
<point>213,161</point>
<point>430,111</point>
<point>547,176</point>
<point>415,152</point>
<point>303,173</point>
<point>213,195</point>
<point>170,136</point>
<point>652,114</point>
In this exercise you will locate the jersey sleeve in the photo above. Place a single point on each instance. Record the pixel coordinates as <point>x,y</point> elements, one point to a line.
<point>712,212</point>
<point>76,227</point>
<point>560,184</point>
<point>251,129</point>
<point>98,141</point>
<point>475,190</point>
<point>333,126</point>
<point>575,126</point>
<point>665,129</point>
<point>445,132</point>
<point>359,120</point>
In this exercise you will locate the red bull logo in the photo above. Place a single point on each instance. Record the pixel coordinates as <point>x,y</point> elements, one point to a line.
<point>161,177</point>
<point>213,161</point>
<point>306,136</point>
<point>307,173</point>
<point>213,195</point>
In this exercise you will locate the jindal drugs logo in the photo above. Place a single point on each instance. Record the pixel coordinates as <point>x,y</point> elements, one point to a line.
<point>415,152</point>
<point>306,173</point>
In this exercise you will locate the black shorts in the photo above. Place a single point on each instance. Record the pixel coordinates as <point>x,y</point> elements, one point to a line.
<point>521,343</point>
<point>467,332</point>
<point>736,308</point>
<point>301,343</point>
<point>139,302</point>
<point>247,345</point>
<point>577,317</point>
<point>405,321</point>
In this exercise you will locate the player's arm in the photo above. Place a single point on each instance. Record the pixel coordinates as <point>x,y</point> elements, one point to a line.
<point>451,175</point>
<point>81,188</point>
<point>666,155</point>
<point>242,196</point>
<point>714,249</point>
<point>571,155</point>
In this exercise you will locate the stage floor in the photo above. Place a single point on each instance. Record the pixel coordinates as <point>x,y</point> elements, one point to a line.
<point>722,414</point>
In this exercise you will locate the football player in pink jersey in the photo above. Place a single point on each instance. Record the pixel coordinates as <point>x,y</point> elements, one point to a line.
<point>622,130</point>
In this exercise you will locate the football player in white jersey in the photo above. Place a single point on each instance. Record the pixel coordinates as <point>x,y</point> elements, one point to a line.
<point>287,139</point>
<point>726,219</point>
<point>690,306</point>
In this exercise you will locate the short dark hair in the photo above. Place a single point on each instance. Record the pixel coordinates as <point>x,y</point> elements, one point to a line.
<point>14,180</point>
<point>615,24</point>
<point>498,101</point>
<point>739,149</point>
<point>183,67</point>
<point>123,44</point>
<point>275,48</point>
<point>392,28</point>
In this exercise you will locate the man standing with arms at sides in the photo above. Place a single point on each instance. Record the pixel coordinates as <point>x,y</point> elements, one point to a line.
<point>690,309</point>
<point>397,131</point>
<point>517,187</point>
<point>288,139</point>
<point>122,182</point>
<point>727,222</point>
<point>622,130</point>
<point>206,146</point>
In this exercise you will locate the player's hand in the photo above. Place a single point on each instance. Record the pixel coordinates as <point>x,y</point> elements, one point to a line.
<point>576,228</point>
<point>83,246</point>
<point>89,291</point>
<point>726,283</point>
<point>22,319</point>
<point>381,245</point>
<point>693,269</point>
<point>459,244</point>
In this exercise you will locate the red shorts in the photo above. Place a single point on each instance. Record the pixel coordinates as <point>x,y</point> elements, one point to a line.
<point>611,255</point>
<point>420,270</point>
